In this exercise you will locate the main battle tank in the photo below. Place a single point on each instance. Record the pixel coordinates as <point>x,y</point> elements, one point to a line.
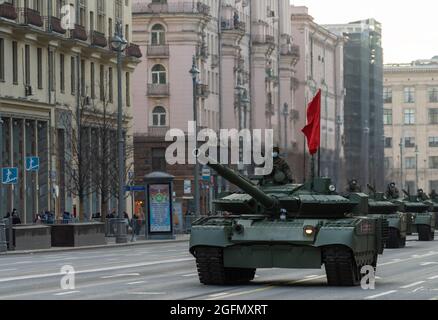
<point>434,207</point>
<point>285,226</point>
<point>420,219</point>
<point>380,206</point>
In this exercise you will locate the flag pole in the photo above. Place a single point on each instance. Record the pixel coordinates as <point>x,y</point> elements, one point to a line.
<point>313,172</point>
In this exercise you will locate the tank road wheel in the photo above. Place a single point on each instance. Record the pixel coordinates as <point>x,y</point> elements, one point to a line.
<point>425,233</point>
<point>211,270</point>
<point>395,240</point>
<point>341,268</point>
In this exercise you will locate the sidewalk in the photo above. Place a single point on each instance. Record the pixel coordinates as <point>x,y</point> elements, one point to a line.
<point>111,243</point>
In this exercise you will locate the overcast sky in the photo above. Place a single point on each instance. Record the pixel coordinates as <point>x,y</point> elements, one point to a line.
<point>410,28</point>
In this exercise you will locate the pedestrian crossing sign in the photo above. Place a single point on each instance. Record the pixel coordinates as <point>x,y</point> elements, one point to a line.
<point>32,163</point>
<point>9,175</point>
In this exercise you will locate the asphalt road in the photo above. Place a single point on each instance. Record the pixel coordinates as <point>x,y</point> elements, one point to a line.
<point>167,271</point>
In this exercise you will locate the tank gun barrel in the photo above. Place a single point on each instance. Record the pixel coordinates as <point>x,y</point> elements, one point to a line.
<point>406,193</point>
<point>247,186</point>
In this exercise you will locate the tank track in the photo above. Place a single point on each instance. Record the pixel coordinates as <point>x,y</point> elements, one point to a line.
<point>341,268</point>
<point>425,233</point>
<point>211,270</point>
<point>395,241</point>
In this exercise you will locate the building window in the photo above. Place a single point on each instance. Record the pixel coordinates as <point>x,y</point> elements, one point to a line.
<point>409,115</point>
<point>410,185</point>
<point>101,16</point>
<point>388,143</point>
<point>51,70</point>
<point>158,35</point>
<point>83,78</point>
<point>410,163</point>
<point>410,142</point>
<point>92,80</point>
<point>27,65</point>
<point>387,95</point>
<point>2,59</point>
<point>159,74</point>
<point>433,185</point>
<point>72,75</point>
<point>409,94</point>
<point>159,117</point>
<point>158,159</point>
<point>433,142</point>
<point>102,83</point>
<point>433,162</point>
<point>62,72</point>
<point>82,13</point>
<point>14,62</point>
<point>388,163</point>
<point>118,10</point>
<point>128,89</point>
<point>40,67</point>
<point>110,85</point>
<point>433,94</point>
<point>433,116</point>
<point>387,117</point>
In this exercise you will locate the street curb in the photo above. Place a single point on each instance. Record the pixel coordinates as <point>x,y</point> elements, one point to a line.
<point>109,246</point>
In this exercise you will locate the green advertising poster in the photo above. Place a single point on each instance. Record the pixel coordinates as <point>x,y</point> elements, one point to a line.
<point>160,220</point>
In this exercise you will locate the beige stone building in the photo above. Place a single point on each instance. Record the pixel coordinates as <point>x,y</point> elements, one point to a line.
<point>411,124</point>
<point>246,58</point>
<point>48,72</point>
<point>321,67</point>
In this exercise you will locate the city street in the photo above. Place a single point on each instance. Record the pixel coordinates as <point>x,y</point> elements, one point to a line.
<point>167,271</point>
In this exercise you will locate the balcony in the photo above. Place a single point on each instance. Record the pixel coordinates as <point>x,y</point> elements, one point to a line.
<point>158,132</point>
<point>232,24</point>
<point>202,52</point>
<point>290,50</point>
<point>158,90</point>
<point>180,7</point>
<point>202,90</point>
<point>133,50</point>
<point>158,51</point>
<point>32,17</point>
<point>8,11</point>
<point>98,39</point>
<point>79,33</point>
<point>56,25</point>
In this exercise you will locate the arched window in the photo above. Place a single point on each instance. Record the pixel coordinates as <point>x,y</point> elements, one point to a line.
<point>159,117</point>
<point>159,74</point>
<point>158,35</point>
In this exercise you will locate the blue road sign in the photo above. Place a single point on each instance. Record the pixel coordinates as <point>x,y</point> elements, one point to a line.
<point>9,175</point>
<point>135,188</point>
<point>32,163</point>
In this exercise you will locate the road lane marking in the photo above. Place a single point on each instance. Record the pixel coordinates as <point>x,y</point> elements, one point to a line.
<point>7,270</point>
<point>396,261</point>
<point>120,267</point>
<point>148,293</point>
<point>418,289</point>
<point>264,289</point>
<point>412,285</point>
<point>65,293</point>
<point>381,295</point>
<point>312,276</point>
<point>136,282</point>
<point>424,264</point>
<point>218,294</point>
<point>433,278</point>
<point>121,275</point>
<point>190,275</point>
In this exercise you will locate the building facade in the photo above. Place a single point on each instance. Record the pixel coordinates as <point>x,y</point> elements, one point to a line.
<point>57,84</point>
<point>321,67</point>
<point>363,105</point>
<point>246,59</point>
<point>411,117</point>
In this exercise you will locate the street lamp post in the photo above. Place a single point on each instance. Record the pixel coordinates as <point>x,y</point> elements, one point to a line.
<point>119,44</point>
<point>401,164</point>
<point>416,166</point>
<point>194,71</point>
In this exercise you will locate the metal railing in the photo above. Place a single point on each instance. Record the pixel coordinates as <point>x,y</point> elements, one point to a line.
<point>174,8</point>
<point>158,50</point>
<point>155,131</point>
<point>158,90</point>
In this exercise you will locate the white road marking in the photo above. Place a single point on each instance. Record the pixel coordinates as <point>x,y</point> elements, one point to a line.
<point>148,293</point>
<point>312,276</point>
<point>418,289</point>
<point>7,270</point>
<point>381,294</point>
<point>136,282</point>
<point>433,278</point>
<point>412,285</point>
<point>65,293</point>
<point>121,275</point>
<point>218,294</point>
<point>424,264</point>
<point>120,267</point>
<point>190,275</point>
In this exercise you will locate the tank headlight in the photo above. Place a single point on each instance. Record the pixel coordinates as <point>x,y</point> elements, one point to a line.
<point>332,188</point>
<point>309,230</point>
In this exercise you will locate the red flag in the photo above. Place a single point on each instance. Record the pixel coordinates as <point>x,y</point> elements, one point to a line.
<point>313,129</point>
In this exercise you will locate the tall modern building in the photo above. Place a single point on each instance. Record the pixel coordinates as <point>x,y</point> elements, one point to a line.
<point>246,58</point>
<point>321,67</point>
<point>411,117</point>
<point>58,99</point>
<point>363,112</point>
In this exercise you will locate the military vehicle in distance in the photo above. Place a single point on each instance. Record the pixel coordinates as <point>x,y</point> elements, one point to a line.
<point>420,219</point>
<point>271,225</point>
<point>380,206</point>
<point>434,206</point>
